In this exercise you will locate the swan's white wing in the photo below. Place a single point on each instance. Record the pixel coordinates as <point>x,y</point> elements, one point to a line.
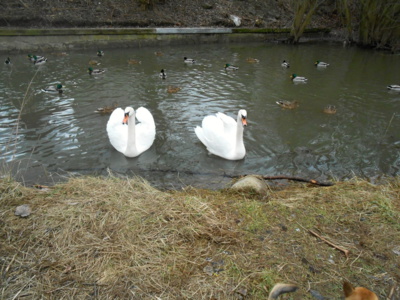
<point>145,129</point>
<point>213,135</point>
<point>117,132</point>
<point>230,124</point>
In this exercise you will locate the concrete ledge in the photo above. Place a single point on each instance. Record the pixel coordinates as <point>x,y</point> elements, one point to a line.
<point>193,30</point>
<point>74,31</point>
<point>64,39</point>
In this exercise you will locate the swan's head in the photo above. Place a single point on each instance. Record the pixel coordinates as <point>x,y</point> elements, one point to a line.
<point>243,116</point>
<point>127,114</point>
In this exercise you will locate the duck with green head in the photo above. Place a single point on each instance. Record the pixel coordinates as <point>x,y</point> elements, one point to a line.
<point>321,64</point>
<point>39,60</point>
<point>229,67</point>
<point>100,53</point>
<point>394,87</point>
<point>296,78</point>
<point>54,89</point>
<point>92,71</point>
<point>32,58</point>
<point>7,61</point>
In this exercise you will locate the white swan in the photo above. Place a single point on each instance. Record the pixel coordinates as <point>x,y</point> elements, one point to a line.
<point>127,137</point>
<point>223,136</point>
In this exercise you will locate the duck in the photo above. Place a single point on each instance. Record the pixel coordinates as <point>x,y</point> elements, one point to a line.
<point>134,61</point>
<point>158,53</point>
<point>92,71</point>
<point>7,61</point>
<point>100,53</point>
<point>32,58</point>
<point>54,89</point>
<point>126,136</point>
<point>252,60</point>
<point>94,62</point>
<point>321,64</point>
<point>173,89</point>
<point>330,109</point>
<point>288,104</point>
<point>223,136</point>
<point>106,109</point>
<point>189,60</point>
<point>162,74</point>
<point>230,67</point>
<point>39,60</point>
<point>394,87</point>
<point>285,64</point>
<point>296,78</point>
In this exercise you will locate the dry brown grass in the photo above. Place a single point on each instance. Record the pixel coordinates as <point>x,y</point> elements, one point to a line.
<point>93,238</point>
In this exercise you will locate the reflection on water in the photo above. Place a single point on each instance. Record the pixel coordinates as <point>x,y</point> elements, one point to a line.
<point>63,133</point>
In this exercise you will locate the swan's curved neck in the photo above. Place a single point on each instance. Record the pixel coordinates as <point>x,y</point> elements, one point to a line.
<point>131,143</point>
<point>239,134</point>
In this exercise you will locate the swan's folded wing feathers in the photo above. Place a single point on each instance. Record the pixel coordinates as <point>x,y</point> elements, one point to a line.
<point>216,139</point>
<point>145,130</point>
<point>200,134</point>
<point>229,124</point>
<point>117,132</point>
<point>143,115</point>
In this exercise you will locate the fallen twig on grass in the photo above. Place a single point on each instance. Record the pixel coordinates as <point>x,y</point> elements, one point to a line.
<point>345,251</point>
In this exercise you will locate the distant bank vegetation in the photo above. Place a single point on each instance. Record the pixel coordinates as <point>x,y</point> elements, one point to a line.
<point>373,23</point>
<point>370,23</point>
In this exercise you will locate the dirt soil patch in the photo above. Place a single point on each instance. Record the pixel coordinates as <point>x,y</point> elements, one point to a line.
<point>151,13</point>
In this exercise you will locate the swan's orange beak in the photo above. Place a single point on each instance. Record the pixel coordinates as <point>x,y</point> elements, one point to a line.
<point>244,121</point>
<point>126,117</point>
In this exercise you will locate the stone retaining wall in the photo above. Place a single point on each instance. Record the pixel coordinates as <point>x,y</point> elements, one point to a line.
<point>78,38</point>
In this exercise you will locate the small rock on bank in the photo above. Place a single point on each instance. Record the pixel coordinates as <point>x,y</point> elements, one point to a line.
<point>252,183</point>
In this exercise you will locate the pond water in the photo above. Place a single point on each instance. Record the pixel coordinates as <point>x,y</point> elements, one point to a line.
<point>62,134</point>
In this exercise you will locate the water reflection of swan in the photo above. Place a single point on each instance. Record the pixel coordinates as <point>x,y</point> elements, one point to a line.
<point>223,136</point>
<point>127,137</point>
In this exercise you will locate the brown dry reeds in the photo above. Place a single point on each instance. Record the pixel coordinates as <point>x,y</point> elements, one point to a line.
<point>119,238</point>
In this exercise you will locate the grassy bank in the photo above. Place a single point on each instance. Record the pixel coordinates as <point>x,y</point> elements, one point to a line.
<point>116,238</point>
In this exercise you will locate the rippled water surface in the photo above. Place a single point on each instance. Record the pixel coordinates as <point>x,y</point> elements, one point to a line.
<point>59,134</point>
